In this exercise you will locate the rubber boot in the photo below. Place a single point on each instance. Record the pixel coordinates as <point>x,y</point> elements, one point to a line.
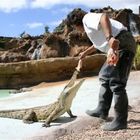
<point>105,99</point>
<point>121,113</point>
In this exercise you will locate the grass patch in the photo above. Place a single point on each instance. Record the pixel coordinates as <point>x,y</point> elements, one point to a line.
<point>136,63</point>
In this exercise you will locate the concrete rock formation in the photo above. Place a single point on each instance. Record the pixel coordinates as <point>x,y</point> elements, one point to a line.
<point>54,46</point>
<point>28,73</point>
<point>64,42</point>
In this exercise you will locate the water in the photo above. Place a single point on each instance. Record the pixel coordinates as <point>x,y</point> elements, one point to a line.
<point>4,93</point>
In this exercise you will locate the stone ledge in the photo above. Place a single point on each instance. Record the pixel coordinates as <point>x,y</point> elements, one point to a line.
<point>28,73</point>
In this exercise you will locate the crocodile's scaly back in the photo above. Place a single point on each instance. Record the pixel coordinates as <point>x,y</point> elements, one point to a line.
<point>16,114</point>
<point>20,113</point>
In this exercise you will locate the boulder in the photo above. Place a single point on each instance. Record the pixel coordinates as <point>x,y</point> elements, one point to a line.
<point>28,73</point>
<point>54,46</point>
<point>65,40</point>
<point>77,42</point>
<point>8,57</point>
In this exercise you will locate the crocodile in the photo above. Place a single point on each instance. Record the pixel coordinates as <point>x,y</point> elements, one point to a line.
<point>50,112</point>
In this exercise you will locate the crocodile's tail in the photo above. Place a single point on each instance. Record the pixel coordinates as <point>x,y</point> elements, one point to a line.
<point>19,113</point>
<point>26,113</point>
<point>15,114</point>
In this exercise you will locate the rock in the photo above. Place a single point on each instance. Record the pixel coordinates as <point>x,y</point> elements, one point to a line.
<point>64,41</point>
<point>77,42</point>
<point>26,36</point>
<point>7,56</point>
<point>54,46</point>
<point>137,39</point>
<point>121,15</point>
<point>28,73</point>
<point>20,90</point>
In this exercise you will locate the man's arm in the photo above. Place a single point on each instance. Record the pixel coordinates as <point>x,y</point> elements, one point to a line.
<point>112,56</point>
<point>87,51</point>
<point>106,26</point>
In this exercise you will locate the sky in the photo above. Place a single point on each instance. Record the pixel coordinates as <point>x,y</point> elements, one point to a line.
<point>31,16</point>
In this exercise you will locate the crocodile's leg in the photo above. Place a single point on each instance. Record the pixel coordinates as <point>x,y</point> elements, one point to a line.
<point>70,114</point>
<point>54,113</point>
<point>30,117</point>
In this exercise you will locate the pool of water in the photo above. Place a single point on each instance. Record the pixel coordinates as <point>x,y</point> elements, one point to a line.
<point>4,93</point>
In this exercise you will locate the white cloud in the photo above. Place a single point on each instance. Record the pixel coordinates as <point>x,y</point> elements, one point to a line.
<point>48,4</point>
<point>15,5</point>
<point>134,7</point>
<point>12,5</point>
<point>116,4</point>
<point>55,23</point>
<point>34,25</point>
<point>65,10</point>
<point>12,25</point>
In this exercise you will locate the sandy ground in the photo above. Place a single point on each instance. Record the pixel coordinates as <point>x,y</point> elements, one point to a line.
<point>93,132</point>
<point>81,128</point>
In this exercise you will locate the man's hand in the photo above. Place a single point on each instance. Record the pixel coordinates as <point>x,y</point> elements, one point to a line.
<point>112,57</point>
<point>89,50</point>
<point>114,43</point>
<point>82,55</point>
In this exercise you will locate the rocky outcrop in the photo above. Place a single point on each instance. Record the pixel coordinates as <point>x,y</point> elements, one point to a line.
<point>137,39</point>
<point>54,46</point>
<point>9,57</point>
<point>122,15</point>
<point>77,42</point>
<point>65,40</point>
<point>27,73</point>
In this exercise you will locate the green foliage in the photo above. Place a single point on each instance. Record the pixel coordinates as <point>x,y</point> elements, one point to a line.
<point>137,59</point>
<point>46,29</point>
<point>60,27</point>
<point>3,41</point>
<point>22,34</point>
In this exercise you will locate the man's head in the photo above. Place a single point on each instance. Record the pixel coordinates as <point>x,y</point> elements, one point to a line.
<point>75,17</point>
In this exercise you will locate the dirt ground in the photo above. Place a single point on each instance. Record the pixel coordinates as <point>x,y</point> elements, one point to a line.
<point>81,128</point>
<point>95,132</point>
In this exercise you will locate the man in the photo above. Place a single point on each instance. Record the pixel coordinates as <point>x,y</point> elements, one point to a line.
<point>112,38</point>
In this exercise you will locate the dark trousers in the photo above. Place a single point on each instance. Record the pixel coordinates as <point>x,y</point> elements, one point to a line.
<point>114,78</point>
<point>113,81</point>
